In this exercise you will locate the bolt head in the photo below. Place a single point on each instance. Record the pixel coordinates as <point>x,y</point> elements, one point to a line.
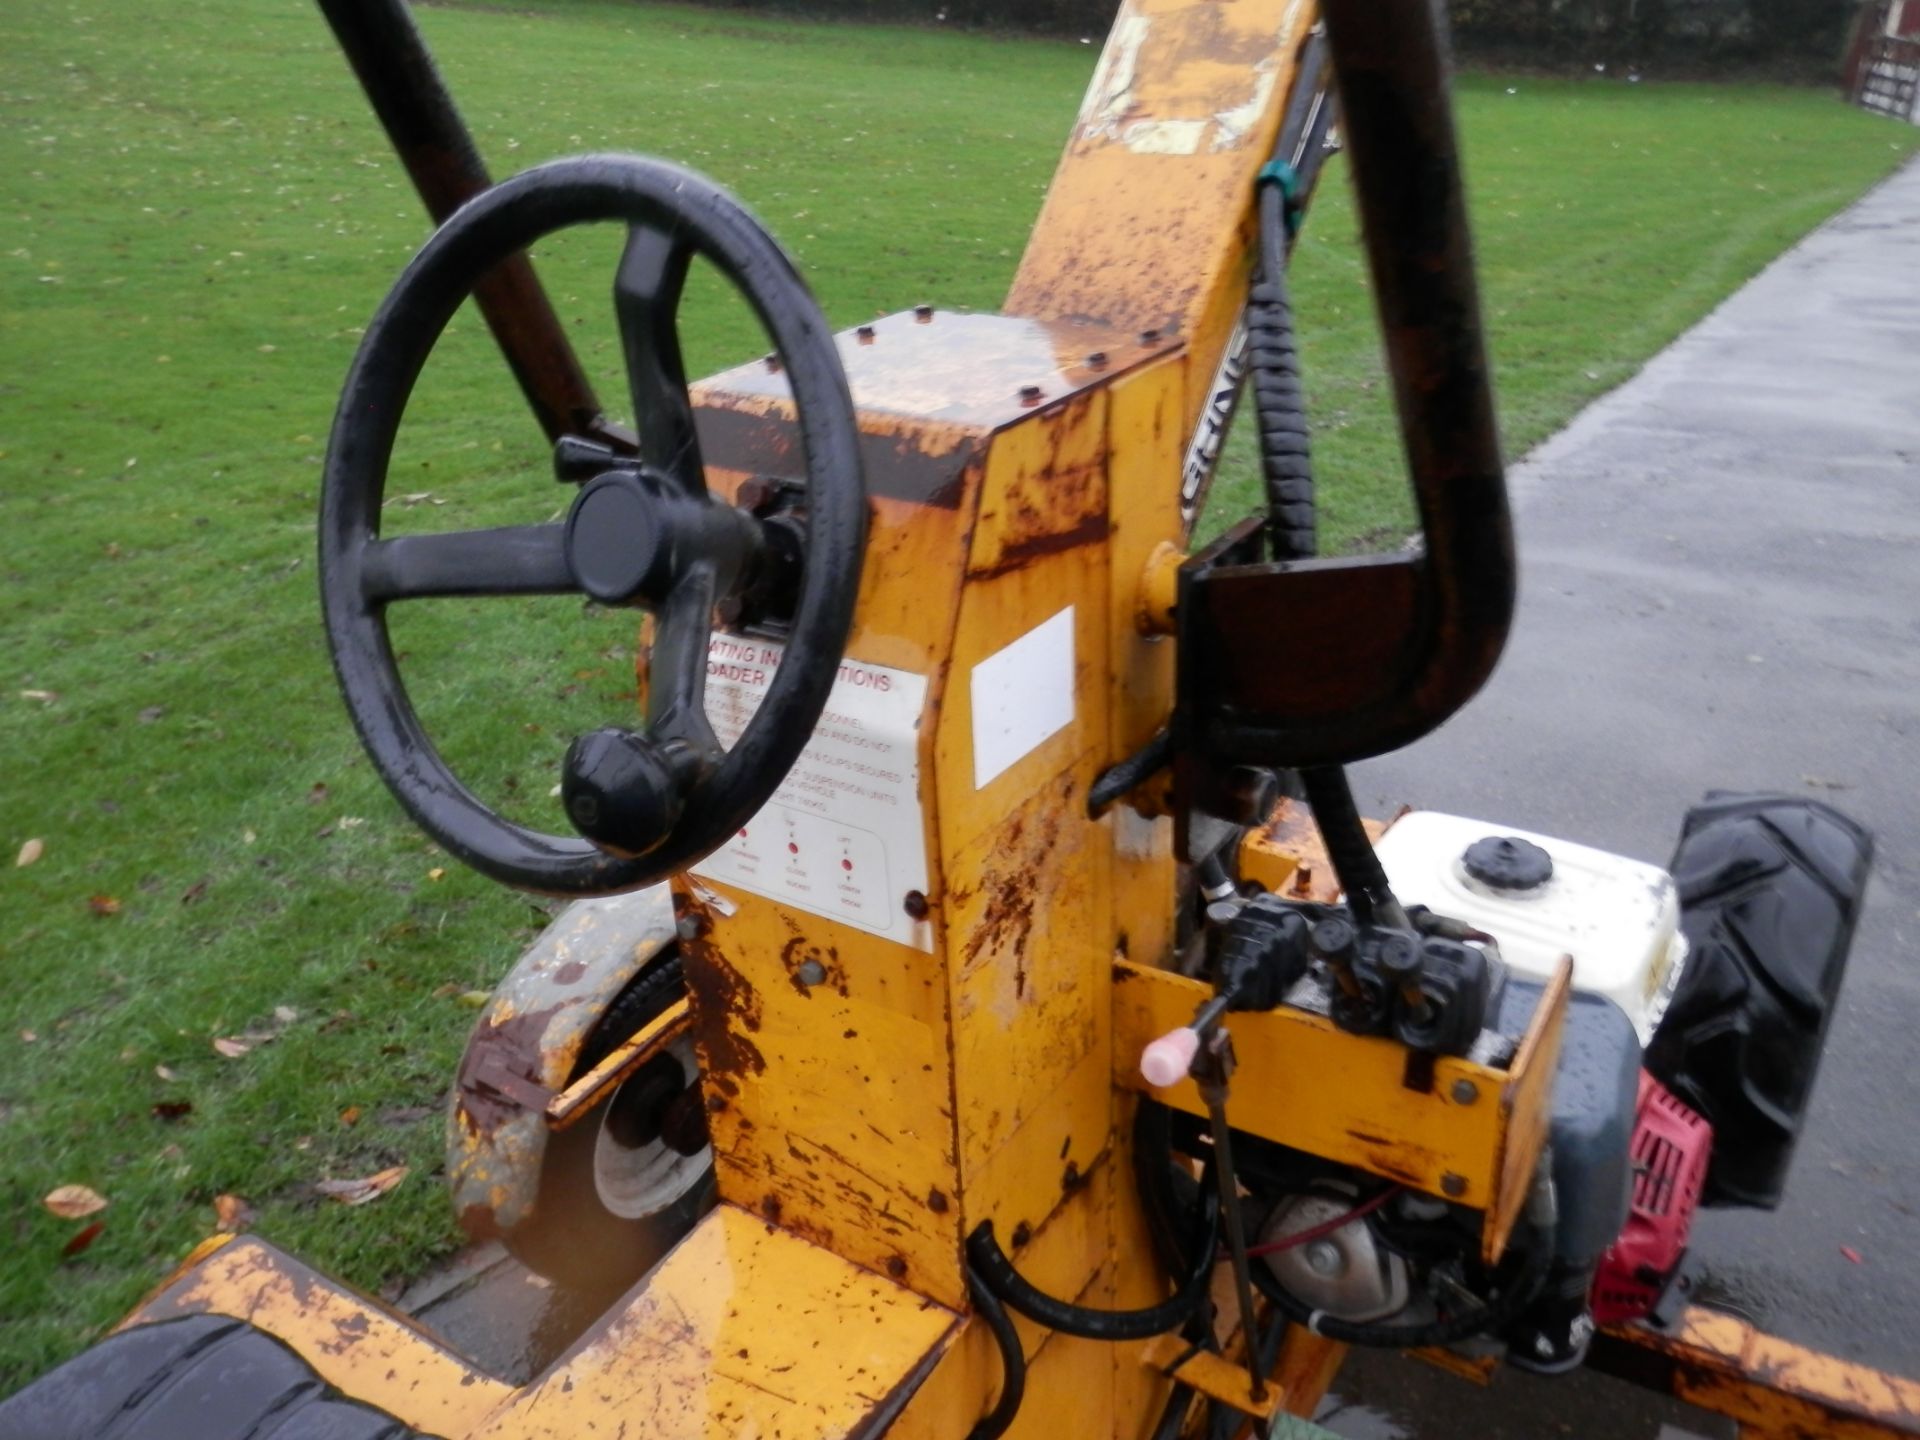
<point>812,972</point>
<point>1452,1185</point>
<point>1324,1258</point>
<point>1465,1092</point>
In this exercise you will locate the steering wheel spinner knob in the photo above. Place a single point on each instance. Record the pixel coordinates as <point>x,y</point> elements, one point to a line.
<point>624,791</point>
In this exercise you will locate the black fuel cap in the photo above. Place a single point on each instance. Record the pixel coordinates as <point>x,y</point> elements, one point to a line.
<point>1506,862</point>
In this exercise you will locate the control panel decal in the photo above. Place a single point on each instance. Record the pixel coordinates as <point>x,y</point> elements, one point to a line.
<point>843,836</point>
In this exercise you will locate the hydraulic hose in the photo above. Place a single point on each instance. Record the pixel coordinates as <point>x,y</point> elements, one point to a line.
<point>996,1271</point>
<point>1129,774</point>
<point>1361,874</point>
<point>1279,406</point>
<point>1013,1361</point>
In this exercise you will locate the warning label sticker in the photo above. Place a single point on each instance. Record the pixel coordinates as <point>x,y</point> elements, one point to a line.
<point>842,837</point>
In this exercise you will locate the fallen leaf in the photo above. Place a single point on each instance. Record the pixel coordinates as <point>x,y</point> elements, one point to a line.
<point>70,1202</point>
<point>318,794</point>
<point>359,1192</point>
<point>152,713</point>
<point>103,905</point>
<point>446,991</point>
<point>1851,1254</point>
<point>247,837</point>
<point>165,1073</point>
<point>231,1213</point>
<point>352,822</point>
<point>285,1014</point>
<point>474,999</point>
<point>350,1115</point>
<point>29,852</point>
<point>27,1037</point>
<point>45,697</point>
<point>172,1109</point>
<point>231,1048</point>
<point>83,1239</point>
<point>438,872</point>
<point>193,892</point>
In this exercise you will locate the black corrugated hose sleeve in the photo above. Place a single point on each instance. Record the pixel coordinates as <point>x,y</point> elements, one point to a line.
<point>1013,1361</point>
<point>1279,407</point>
<point>985,1256</point>
<point>1361,874</point>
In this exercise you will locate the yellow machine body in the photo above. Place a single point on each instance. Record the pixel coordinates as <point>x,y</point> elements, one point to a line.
<point>873,1098</point>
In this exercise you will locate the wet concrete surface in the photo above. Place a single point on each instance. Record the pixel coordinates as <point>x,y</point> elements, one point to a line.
<point>1721,589</point>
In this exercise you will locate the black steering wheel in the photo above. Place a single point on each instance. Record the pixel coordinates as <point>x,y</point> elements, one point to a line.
<point>643,531</point>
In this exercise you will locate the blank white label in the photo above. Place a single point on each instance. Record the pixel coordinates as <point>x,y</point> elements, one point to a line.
<point>1022,695</point>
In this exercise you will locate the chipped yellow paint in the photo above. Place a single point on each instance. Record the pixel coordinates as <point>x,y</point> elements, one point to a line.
<point>1305,1083</point>
<point>1774,1389</point>
<point>1212,1374</point>
<point>1526,1111</point>
<point>743,1330</point>
<point>356,1345</point>
<point>1149,221</point>
<point>650,1040</point>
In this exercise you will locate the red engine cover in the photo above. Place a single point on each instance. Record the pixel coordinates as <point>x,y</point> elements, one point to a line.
<point>1671,1145</point>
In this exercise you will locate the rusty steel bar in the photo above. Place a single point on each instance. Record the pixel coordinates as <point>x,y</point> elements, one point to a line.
<point>1392,63</point>
<point>391,61</point>
<point>1420,632</point>
<point>1774,1388</point>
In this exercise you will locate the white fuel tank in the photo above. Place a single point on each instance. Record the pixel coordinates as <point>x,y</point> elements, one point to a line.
<point>1618,918</point>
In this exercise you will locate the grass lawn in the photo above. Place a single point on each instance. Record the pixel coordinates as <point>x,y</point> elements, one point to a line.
<point>197,214</point>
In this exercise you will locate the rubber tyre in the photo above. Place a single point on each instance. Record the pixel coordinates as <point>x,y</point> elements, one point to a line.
<point>205,1376</point>
<point>1770,890</point>
<point>571,1237</point>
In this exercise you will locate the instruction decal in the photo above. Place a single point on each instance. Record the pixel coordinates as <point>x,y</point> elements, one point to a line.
<point>843,836</point>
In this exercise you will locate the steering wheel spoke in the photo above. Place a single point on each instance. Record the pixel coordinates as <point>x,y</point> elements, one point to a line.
<point>646,299</point>
<point>677,671</point>
<point>511,560</point>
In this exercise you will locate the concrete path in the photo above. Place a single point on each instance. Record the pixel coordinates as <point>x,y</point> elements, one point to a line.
<point>1721,589</point>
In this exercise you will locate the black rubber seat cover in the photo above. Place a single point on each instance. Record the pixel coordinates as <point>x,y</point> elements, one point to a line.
<point>204,1377</point>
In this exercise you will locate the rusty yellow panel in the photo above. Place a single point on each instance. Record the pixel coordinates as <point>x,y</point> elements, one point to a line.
<point>1059,1258</point>
<point>1305,1370</point>
<point>1048,1160</point>
<point>1068,1392</point>
<point>1775,1389</point>
<point>1216,1375</point>
<point>354,1343</point>
<point>1147,222</point>
<point>962,1388</point>
<point>1027,968</point>
<point>1526,1103</point>
<point>742,1330</point>
<point>828,1104</point>
<point>1144,449</point>
<point>1026,870</point>
<point>1303,1082</point>
<point>1138,1281</point>
<point>1288,857</point>
<point>651,1040</point>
